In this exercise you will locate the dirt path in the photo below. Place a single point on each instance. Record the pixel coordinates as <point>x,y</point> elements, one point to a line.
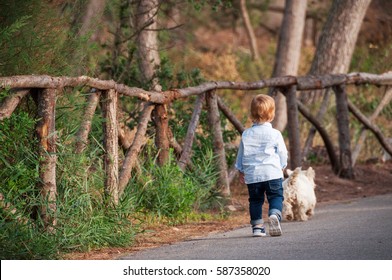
<point>371,179</point>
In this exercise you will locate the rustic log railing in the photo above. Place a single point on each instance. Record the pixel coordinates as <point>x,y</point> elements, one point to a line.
<point>44,89</point>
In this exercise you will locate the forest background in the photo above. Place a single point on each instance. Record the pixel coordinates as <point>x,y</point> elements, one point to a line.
<point>197,41</point>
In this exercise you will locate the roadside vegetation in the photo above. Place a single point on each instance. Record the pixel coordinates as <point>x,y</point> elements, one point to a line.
<point>155,194</point>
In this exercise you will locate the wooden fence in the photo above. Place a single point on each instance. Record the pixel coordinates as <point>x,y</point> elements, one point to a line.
<point>117,177</point>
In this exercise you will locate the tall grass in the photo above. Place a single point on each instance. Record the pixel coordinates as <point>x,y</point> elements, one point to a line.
<point>84,221</point>
<point>170,194</point>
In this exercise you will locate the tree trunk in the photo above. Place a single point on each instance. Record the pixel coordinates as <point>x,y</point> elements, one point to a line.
<point>86,21</point>
<point>46,132</point>
<point>219,150</point>
<point>109,108</point>
<point>147,42</point>
<point>93,13</point>
<point>149,61</point>
<point>85,127</point>
<point>289,52</point>
<point>342,115</point>
<point>336,43</point>
<point>249,31</point>
<point>339,36</point>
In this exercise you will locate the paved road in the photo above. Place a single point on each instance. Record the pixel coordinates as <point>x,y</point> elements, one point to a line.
<point>360,229</point>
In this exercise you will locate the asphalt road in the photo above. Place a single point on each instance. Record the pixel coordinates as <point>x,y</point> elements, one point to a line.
<point>355,230</point>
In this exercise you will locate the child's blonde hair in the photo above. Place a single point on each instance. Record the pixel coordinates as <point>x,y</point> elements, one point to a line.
<point>262,108</point>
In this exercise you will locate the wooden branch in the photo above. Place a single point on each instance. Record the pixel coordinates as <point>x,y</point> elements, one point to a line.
<point>138,142</point>
<point>109,109</point>
<point>293,128</point>
<point>209,86</point>
<point>44,81</point>
<point>215,124</point>
<point>230,116</point>
<point>320,82</point>
<point>249,31</point>
<point>373,128</point>
<point>125,135</point>
<point>85,127</point>
<point>346,169</point>
<point>303,83</point>
<point>174,144</point>
<point>312,132</point>
<point>46,133</point>
<point>190,135</point>
<point>8,106</point>
<point>324,135</point>
<point>368,78</point>
<point>384,101</point>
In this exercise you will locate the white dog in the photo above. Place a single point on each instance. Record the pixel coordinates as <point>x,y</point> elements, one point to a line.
<point>299,196</point>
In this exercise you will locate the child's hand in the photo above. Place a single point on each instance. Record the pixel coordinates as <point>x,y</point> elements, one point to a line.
<point>242,178</point>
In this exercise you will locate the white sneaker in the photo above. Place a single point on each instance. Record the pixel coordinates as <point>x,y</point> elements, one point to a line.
<point>274,226</point>
<point>258,231</point>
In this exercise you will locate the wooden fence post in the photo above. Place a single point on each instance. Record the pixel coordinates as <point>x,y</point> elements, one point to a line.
<point>324,135</point>
<point>230,116</point>
<point>293,127</point>
<point>46,133</point>
<point>342,115</point>
<point>11,102</point>
<point>162,133</point>
<point>361,139</point>
<point>85,127</point>
<point>190,135</point>
<point>134,149</point>
<point>219,149</point>
<point>109,108</point>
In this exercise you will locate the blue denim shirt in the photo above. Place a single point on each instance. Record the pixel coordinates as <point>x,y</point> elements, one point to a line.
<point>262,154</point>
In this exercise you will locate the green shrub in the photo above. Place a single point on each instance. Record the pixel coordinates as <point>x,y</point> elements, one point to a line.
<point>164,191</point>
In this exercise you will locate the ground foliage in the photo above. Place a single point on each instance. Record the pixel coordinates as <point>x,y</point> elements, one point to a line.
<point>199,51</point>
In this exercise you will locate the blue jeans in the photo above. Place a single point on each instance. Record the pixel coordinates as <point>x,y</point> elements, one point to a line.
<point>274,191</point>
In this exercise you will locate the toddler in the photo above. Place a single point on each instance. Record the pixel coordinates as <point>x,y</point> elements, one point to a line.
<point>261,159</point>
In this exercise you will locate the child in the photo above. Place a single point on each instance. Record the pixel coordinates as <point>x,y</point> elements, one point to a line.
<point>261,159</point>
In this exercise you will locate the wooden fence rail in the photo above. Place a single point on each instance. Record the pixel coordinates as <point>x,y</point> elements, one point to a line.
<point>44,88</point>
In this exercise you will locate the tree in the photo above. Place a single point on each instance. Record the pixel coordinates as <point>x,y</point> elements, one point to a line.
<point>93,12</point>
<point>339,36</point>
<point>149,61</point>
<point>288,53</point>
<point>146,24</point>
<point>249,30</point>
<point>335,47</point>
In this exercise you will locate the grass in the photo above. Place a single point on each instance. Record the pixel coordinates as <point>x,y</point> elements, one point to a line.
<point>84,221</point>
